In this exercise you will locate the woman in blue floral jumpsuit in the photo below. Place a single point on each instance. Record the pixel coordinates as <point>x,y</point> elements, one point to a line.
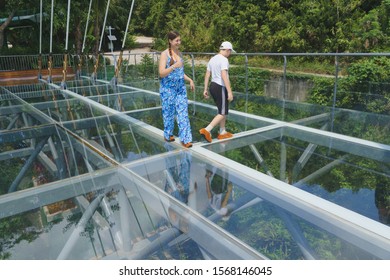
<point>173,92</point>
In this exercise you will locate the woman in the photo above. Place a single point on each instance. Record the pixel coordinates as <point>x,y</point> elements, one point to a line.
<point>173,92</point>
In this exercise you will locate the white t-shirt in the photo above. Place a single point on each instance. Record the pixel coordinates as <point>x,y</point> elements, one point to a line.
<point>216,201</point>
<point>216,64</point>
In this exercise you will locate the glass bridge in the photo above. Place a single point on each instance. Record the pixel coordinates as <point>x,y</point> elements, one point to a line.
<point>86,174</point>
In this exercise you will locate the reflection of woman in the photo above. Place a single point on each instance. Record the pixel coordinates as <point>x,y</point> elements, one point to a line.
<point>178,179</point>
<point>177,184</point>
<point>173,92</point>
<point>178,220</point>
<point>382,202</point>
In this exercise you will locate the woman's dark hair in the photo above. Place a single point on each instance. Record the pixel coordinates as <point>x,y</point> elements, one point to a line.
<point>171,36</point>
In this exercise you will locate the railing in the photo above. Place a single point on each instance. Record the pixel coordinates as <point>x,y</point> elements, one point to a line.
<point>280,83</point>
<point>254,85</point>
<point>28,62</point>
<point>147,66</point>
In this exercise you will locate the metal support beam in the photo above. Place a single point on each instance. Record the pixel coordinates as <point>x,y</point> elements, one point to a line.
<point>260,159</point>
<point>304,158</point>
<point>292,226</point>
<point>112,145</point>
<point>27,165</point>
<point>67,249</point>
<point>323,170</point>
<point>127,219</point>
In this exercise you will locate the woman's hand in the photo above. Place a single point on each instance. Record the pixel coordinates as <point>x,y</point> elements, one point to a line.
<point>178,64</point>
<point>192,85</point>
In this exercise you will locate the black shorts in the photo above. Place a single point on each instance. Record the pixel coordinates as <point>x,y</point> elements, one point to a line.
<point>220,96</point>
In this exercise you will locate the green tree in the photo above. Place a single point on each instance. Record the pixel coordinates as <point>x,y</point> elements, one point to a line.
<point>251,25</point>
<point>9,9</point>
<point>368,34</point>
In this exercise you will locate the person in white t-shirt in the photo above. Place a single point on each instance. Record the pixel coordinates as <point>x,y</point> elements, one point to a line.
<point>220,90</point>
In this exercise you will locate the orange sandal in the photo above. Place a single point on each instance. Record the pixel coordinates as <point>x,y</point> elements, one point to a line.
<point>171,139</point>
<point>187,145</point>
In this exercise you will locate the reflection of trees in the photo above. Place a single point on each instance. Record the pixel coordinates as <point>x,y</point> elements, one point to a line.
<point>382,202</point>
<point>73,219</point>
<point>15,229</point>
<point>9,169</point>
<point>28,226</point>
<point>262,228</point>
<point>353,172</point>
<point>269,235</point>
<point>266,233</point>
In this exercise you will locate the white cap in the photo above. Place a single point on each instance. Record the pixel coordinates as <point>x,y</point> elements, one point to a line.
<point>226,46</point>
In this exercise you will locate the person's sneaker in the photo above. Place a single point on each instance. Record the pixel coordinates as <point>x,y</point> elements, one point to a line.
<point>206,135</point>
<point>171,139</point>
<point>225,135</point>
<point>186,145</point>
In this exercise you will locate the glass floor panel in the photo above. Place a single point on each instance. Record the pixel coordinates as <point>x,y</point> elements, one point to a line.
<point>34,156</point>
<point>354,175</point>
<point>220,196</point>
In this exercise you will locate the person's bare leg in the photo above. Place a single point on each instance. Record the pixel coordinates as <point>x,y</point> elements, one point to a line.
<point>222,123</point>
<point>223,134</point>
<point>206,131</point>
<point>218,119</point>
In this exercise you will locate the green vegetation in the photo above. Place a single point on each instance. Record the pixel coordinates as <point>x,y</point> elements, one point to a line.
<point>252,25</point>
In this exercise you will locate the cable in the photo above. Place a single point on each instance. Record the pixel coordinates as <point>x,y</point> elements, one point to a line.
<point>65,62</point>
<point>100,45</point>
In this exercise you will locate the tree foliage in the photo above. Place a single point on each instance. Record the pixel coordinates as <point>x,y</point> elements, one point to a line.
<point>251,25</point>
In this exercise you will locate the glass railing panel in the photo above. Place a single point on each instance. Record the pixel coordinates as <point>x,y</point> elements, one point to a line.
<point>363,125</point>
<point>119,136</point>
<point>89,88</point>
<point>36,96</point>
<point>16,113</point>
<point>68,110</point>
<point>147,84</point>
<point>129,100</point>
<point>27,88</point>
<point>277,109</point>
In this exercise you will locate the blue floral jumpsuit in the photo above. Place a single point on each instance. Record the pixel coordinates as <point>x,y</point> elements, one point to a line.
<point>174,101</point>
<point>180,173</point>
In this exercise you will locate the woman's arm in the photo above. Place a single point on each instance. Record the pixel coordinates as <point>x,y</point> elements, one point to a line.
<point>206,84</point>
<point>188,79</point>
<point>163,72</point>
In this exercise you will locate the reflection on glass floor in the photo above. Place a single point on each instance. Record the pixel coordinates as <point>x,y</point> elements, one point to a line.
<point>85,174</point>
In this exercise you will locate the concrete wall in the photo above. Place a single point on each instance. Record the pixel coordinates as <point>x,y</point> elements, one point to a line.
<point>296,89</point>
